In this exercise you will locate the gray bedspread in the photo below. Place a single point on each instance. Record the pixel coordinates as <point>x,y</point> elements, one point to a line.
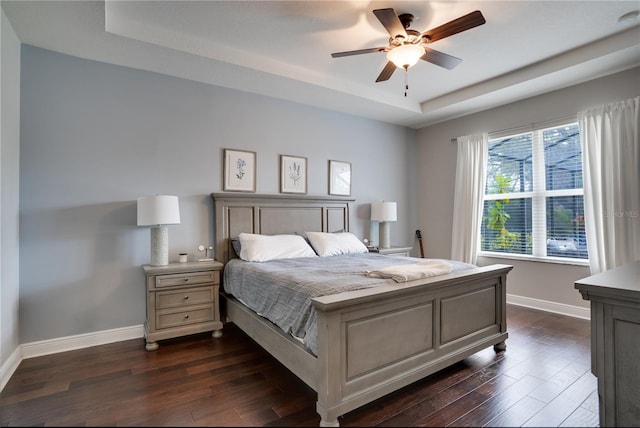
<point>281,290</point>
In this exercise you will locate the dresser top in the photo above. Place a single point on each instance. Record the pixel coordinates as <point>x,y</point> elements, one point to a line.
<point>623,280</point>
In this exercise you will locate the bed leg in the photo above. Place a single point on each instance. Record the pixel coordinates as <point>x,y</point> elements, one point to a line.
<point>499,347</point>
<point>325,423</point>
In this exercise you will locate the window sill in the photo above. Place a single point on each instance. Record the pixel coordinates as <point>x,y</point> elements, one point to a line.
<point>528,258</point>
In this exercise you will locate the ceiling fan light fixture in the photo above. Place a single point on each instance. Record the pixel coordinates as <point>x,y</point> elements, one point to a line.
<point>405,56</point>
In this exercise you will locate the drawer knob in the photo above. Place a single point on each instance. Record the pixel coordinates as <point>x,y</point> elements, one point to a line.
<point>186,279</point>
<point>186,297</point>
<point>186,317</point>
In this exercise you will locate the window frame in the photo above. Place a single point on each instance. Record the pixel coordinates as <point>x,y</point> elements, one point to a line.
<point>538,195</point>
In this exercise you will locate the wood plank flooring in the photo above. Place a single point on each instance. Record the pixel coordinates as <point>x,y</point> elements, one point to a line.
<point>543,379</point>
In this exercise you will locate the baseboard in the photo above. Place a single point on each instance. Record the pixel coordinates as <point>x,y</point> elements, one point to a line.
<point>79,341</point>
<point>548,306</point>
<point>9,367</point>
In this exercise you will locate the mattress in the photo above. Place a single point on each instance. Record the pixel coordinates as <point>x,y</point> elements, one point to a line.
<point>281,290</point>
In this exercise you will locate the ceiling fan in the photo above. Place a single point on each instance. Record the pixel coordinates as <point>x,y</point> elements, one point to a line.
<point>407,46</point>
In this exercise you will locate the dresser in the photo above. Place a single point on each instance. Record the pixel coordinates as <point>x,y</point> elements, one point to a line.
<point>182,299</point>
<point>615,342</point>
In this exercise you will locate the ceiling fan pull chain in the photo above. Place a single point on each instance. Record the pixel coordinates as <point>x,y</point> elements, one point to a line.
<point>406,80</point>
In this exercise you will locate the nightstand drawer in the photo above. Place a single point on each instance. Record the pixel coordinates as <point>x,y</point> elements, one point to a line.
<point>187,279</point>
<point>184,297</point>
<point>197,314</point>
<point>400,254</point>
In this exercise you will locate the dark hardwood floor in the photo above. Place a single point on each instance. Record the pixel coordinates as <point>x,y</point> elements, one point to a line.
<point>543,379</point>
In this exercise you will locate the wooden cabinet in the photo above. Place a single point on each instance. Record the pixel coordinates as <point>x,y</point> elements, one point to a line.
<point>615,342</point>
<point>182,298</point>
<point>393,251</point>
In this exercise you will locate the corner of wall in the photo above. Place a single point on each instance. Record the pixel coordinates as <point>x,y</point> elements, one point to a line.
<point>9,198</point>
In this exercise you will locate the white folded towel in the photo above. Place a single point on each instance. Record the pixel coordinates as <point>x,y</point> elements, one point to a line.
<point>404,273</point>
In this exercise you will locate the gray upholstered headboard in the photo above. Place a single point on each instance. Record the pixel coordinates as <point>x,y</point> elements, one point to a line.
<point>271,214</point>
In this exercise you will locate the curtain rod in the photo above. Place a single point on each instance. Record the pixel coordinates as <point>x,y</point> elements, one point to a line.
<point>530,126</point>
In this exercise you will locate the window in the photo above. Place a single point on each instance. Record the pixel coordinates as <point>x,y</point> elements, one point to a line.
<point>533,202</point>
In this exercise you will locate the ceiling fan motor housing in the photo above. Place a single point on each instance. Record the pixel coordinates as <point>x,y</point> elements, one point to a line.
<point>412,36</point>
<point>406,19</point>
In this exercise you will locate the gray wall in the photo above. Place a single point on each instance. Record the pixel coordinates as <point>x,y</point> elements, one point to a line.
<point>9,192</point>
<point>544,281</point>
<point>96,136</point>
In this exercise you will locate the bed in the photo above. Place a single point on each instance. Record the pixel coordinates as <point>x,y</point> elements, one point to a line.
<point>370,341</point>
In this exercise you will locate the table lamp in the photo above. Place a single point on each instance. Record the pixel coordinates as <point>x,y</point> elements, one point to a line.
<point>158,211</point>
<point>384,212</point>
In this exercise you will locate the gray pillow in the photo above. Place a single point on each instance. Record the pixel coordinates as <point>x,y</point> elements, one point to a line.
<point>235,243</point>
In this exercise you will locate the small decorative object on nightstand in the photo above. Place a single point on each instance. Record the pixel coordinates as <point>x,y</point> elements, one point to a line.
<point>369,244</point>
<point>206,250</point>
<point>393,251</point>
<point>182,299</point>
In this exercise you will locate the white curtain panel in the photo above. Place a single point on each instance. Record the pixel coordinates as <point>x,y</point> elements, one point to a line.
<point>471,171</point>
<point>611,169</point>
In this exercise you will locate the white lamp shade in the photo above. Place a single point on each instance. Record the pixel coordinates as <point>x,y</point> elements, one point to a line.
<point>405,55</point>
<point>384,211</point>
<point>159,209</point>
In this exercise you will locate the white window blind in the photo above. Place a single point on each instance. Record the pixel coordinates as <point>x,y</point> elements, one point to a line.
<point>533,201</point>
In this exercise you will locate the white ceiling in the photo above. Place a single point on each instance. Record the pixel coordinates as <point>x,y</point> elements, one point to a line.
<point>282,48</point>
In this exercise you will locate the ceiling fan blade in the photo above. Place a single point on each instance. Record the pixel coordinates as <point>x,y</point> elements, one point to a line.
<point>386,72</point>
<point>442,59</point>
<point>357,52</point>
<point>456,26</point>
<point>390,22</point>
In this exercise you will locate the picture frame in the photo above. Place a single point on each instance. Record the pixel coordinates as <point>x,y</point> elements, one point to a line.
<point>339,178</point>
<point>239,170</point>
<point>293,174</point>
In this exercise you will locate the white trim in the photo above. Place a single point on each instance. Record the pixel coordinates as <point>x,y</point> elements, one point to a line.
<point>530,258</point>
<point>539,198</point>
<point>508,195</point>
<point>531,195</point>
<point>9,367</point>
<point>79,341</point>
<point>548,306</point>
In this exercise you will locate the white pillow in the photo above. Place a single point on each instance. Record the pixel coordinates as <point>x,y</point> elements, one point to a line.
<point>262,248</point>
<point>333,244</point>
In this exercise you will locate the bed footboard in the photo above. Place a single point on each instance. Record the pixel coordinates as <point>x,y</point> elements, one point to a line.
<point>374,341</point>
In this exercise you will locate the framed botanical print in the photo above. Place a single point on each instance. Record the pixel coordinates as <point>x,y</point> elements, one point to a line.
<point>339,178</point>
<point>239,170</point>
<point>293,174</point>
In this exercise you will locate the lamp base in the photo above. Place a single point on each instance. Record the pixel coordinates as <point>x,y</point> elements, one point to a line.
<point>159,246</point>
<point>385,240</point>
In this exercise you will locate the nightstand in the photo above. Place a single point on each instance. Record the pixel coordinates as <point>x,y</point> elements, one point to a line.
<point>393,251</point>
<point>182,299</point>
